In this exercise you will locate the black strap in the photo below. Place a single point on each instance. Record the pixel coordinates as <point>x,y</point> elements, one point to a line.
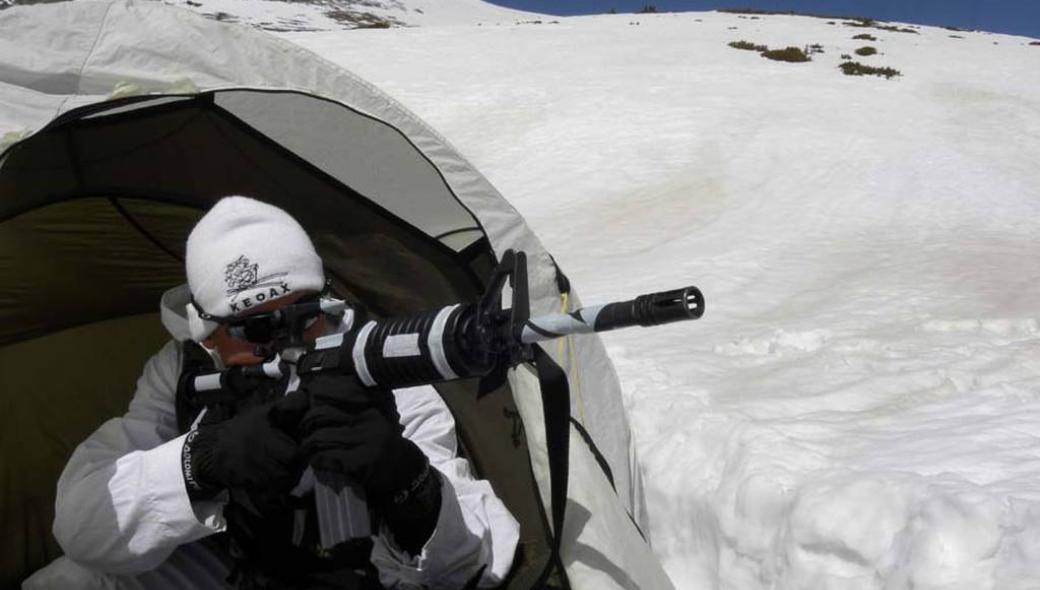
<point>194,359</point>
<point>556,406</point>
<point>563,284</point>
<point>596,454</point>
<point>472,583</point>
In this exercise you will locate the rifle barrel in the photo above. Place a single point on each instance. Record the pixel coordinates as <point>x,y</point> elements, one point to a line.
<point>646,310</point>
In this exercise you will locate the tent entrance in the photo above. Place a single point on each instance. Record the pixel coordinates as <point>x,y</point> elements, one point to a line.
<point>94,213</point>
<point>390,231</point>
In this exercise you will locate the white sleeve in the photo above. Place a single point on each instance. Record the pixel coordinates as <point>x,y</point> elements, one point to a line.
<point>474,529</point>
<point>121,504</point>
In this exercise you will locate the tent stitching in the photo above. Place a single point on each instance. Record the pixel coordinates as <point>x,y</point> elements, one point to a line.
<point>86,58</point>
<point>142,230</point>
<point>93,113</point>
<point>452,232</point>
<point>231,119</point>
<point>102,192</point>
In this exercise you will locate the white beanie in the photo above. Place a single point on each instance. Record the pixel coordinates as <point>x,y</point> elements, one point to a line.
<point>243,253</point>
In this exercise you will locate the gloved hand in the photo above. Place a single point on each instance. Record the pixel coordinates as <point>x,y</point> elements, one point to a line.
<point>354,431</point>
<point>254,450</point>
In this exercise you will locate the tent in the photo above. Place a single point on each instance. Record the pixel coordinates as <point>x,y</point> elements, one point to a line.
<point>122,121</point>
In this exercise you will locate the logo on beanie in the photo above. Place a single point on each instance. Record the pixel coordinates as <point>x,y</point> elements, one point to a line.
<point>242,275</point>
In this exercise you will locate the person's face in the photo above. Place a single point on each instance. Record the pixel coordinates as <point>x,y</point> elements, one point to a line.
<point>234,351</point>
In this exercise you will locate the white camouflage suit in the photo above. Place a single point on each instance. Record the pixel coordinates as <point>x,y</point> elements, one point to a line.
<point>124,519</point>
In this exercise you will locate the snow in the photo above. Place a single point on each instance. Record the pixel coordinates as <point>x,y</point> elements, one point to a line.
<point>860,405</point>
<point>330,15</point>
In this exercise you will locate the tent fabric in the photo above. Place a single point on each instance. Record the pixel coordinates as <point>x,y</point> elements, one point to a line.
<point>93,94</point>
<point>47,406</point>
<point>36,296</point>
<point>604,546</point>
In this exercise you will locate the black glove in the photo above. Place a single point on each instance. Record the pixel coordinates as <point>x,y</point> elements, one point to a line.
<point>254,450</point>
<point>356,432</point>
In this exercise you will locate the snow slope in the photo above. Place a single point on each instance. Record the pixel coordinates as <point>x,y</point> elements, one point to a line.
<point>860,406</point>
<point>331,15</point>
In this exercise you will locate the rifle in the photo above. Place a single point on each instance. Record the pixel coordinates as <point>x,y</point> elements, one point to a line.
<point>458,341</point>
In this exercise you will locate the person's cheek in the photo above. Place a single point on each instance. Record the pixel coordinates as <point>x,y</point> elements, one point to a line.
<point>320,328</point>
<point>241,357</point>
<point>236,352</point>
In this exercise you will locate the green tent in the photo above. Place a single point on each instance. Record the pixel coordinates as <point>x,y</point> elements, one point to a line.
<point>121,122</point>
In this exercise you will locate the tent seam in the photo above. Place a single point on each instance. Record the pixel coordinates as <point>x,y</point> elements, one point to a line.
<point>86,58</point>
<point>142,230</point>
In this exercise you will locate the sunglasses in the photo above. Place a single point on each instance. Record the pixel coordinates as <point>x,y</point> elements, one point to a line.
<point>280,324</point>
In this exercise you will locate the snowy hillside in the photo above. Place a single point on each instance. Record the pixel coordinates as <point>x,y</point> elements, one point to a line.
<point>331,15</point>
<point>860,406</point>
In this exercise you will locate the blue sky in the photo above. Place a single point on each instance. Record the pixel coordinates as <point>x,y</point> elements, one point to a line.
<point>1017,17</point>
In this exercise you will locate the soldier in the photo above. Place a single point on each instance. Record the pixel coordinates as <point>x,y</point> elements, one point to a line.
<point>143,501</point>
